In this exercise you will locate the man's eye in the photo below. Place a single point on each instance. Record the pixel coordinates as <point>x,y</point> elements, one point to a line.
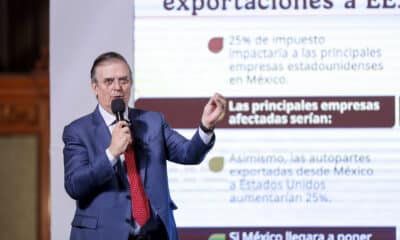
<point>108,81</point>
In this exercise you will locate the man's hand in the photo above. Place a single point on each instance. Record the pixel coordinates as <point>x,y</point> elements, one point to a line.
<point>214,111</point>
<point>120,138</point>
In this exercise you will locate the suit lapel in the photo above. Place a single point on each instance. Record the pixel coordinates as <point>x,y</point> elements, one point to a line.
<point>101,133</point>
<point>141,147</point>
<point>103,138</point>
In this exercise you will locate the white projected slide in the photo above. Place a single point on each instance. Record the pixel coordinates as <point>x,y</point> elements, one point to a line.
<point>309,147</point>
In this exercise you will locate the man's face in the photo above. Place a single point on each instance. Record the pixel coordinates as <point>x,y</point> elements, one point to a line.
<point>112,81</point>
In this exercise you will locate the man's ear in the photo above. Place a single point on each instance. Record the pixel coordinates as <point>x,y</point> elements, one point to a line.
<point>94,88</point>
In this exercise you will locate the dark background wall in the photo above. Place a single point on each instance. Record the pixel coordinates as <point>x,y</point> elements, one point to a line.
<point>24,34</point>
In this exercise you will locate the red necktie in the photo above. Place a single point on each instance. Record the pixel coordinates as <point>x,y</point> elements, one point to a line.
<point>140,203</point>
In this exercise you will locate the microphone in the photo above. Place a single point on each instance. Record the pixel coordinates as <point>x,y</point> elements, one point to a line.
<point>118,108</point>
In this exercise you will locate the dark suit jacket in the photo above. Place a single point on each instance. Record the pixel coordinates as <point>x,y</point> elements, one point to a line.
<point>103,209</point>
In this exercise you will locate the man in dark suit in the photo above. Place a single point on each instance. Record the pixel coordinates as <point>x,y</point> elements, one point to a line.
<point>95,173</point>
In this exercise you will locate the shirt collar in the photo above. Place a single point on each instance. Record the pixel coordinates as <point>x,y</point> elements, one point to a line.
<point>109,118</point>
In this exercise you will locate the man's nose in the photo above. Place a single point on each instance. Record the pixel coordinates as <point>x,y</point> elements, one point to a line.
<point>116,84</point>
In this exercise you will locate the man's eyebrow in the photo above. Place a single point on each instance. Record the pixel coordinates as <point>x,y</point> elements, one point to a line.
<point>124,78</point>
<point>120,78</point>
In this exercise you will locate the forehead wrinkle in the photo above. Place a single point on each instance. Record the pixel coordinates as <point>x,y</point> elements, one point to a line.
<point>115,72</point>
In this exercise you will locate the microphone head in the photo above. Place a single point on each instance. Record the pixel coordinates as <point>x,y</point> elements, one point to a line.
<point>117,105</point>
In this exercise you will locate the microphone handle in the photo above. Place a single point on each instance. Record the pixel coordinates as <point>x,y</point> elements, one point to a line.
<point>119,116</point>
